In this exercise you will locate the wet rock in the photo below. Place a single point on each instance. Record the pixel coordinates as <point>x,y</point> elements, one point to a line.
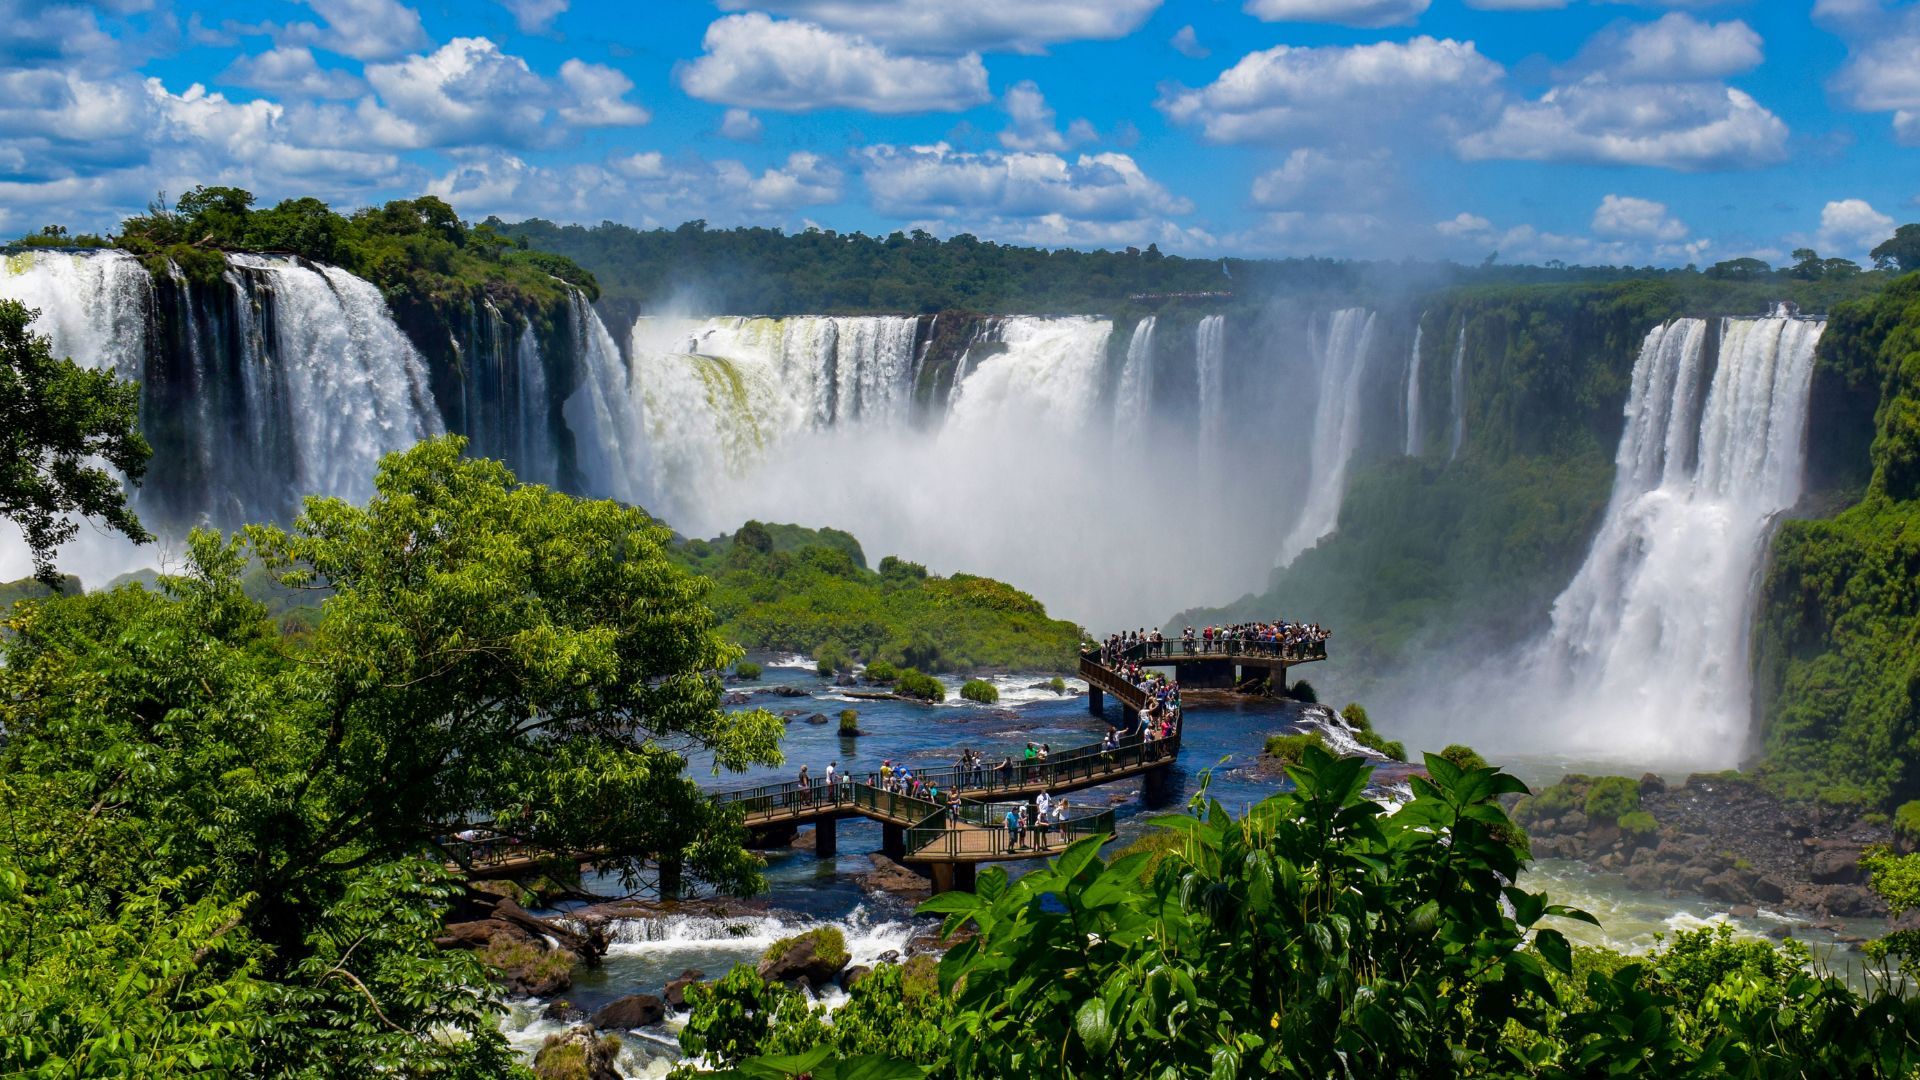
<point>1852,902</point>
<point>676,992</point>
<point>1652,784</point>
<point>800,962</point>
<point>562,1011</point>
<point>844,679</point>
<point>735,697</point>
<point>1646,876</point>
<point>785,691</point>
<point>852,976</point>
<point>1743,911</point>
<point>817,718</point>
<point>1573,822</point>
<point>892,956</point>
<point>577,1054</point>
<point>1836,866</point>
<point>632,1011</point>
<point>1769,888</point>
<point>888,876</point>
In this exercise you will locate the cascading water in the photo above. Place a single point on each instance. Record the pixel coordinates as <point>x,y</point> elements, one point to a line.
<point>1209,362</point>
<point>1458,386</point>
<point>1341,348</point>
<point>1647,658</point>
<point>1133,398</point>
<point>503,393</point>
<point>1413,393</point>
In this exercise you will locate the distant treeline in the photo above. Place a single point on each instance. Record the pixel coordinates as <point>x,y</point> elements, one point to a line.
<point>765,271</point>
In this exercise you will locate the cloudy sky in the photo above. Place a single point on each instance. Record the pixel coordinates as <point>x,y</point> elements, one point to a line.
<point>1663,131</point>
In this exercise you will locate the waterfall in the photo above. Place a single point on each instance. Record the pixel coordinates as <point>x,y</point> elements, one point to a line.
<point>1413,392</point>
<point>720,394</point>
<point>1209,358</point>
<point>1340,349</point>
<point>1133,399</point>
<point>1648,650</point>
<point>1459,387</point>
<point>605,412</point>
<point>1049,368</point>
<point>503,391</point>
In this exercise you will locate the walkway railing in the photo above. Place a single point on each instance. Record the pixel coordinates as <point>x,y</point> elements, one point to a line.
<point>942,837</point>
<point>1218,649</point>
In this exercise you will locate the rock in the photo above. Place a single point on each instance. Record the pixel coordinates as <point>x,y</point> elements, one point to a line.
<point>890,877</point>
<point>1769,889</point>
<point>892,956</point>
<point>786,691</point>
<point>800,963</point>
<point>479,933</point>
<point>1906,920</point>
<point>1573,822</point>
<point>676,992</point>
<point>852,976</point>
<point>817,718</point>
<point>735,697</point>
<point>563,1011</point>
<point>844,679</point>
<point>1743,911</point>
<point>632,1011</point>
<point>1690,878</point>
<point>1836,866</point>
<point>1645,876</point>
<point>1852,902</point>
<point>577,1054</point>
<point>1652,784</point>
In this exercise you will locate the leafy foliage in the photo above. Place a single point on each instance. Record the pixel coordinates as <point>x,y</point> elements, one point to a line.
<point>1317,936</point>
<point>58,423</point>
<point>804,590</point>
<point>980,690</point>
<point>914,684</point>
<point>218,842</point>
<point>1289,748</point>
<point>1611,798</point>
<point>747,669</point>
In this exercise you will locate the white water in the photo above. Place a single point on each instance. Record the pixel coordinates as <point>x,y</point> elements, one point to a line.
<point>1133,398</point>
<point>1341,350</point>
<point>1647,658</point>
<point>1458,386</point>
<point>1413,394</point>
<point>1209,363</point>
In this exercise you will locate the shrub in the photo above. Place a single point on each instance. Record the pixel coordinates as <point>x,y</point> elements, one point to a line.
<point>1391,749</point>
<point>831,657</point>
<point>980,690</point>
<point>911,683</point>
<point>1356,717</point>
<point>747,670</point>
<point>1612,798</point>
<point>881,671</point>
<point>849,722</point>
<point>1638,823</point>
<point>1303,691</point>
<point>829,944</point>
<point>1288,748</point>
<point>1464,757</point>
<point>1552,802</point>
<point>1058,685</point>
<point>1906,821</point>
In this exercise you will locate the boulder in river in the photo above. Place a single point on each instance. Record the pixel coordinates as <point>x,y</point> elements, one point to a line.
<point>817,957</point>
<point>632,1011</point>
<point>562,1011</point>
<point>817,718</point>
<point>577,1054</point>
<point>676,992</point>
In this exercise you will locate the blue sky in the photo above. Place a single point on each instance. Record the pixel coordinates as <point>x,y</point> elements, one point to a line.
<point>1587,131</point>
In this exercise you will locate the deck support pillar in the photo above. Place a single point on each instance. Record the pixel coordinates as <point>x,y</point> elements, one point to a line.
<point>893,841</point>
<point>826,837</point>
<point>949,876</point>
<point>1096,701</point>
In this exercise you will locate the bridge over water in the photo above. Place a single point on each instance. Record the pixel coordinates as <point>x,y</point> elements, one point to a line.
<point>949,843</point>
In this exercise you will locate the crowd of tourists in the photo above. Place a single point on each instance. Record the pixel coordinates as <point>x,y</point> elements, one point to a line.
<point>1279,638</point>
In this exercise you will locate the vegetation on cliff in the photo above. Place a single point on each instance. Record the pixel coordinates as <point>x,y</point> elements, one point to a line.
<point>810,591</point>
<point>1837,686</point>
<point>220,845</point>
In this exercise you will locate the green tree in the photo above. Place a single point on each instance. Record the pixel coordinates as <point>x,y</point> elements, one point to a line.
<point>57,419</point>
<point>1901,251</point>
<point>274,808</point>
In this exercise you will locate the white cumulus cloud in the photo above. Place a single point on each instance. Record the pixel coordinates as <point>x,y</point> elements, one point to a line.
<point>1623,217</point>
<point>939,181</point>
<point>291,70</point>
<point>740,125</point>
<point>1438,84</point>
<point>943,26</point>
<point>1368,13</point>
<point>790,66</point>
<point>535,16</point>
<point>362,29</point>
<point>1032,125</point>
<point>1689,127</point>
<point>1673,48</point>
<point>644,189</point>
<point>1882,72</point>
<point>1318,178</point>
<point>1187,44</point>
<point>1852,227</point>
